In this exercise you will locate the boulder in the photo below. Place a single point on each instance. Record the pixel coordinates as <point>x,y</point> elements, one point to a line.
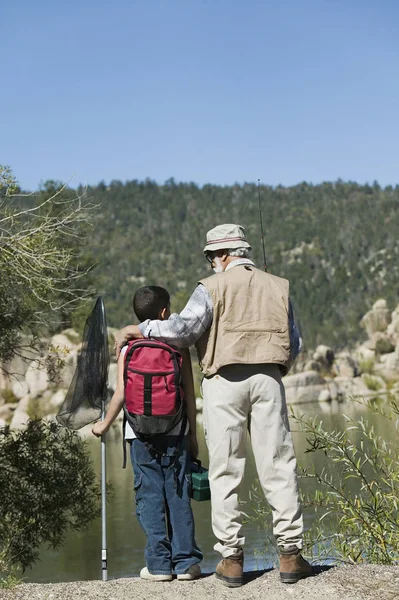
<point>364,353</point>
<point>112,376</point>
<point>36,379</point>
<point>388,367</point>
<point>304,387</point>
<point>57,399</point>
<point>393,327</point>
<point>7,411</point>
<point>350,386</point>
<point>376,319</point>
<point>20,416</point>
<point>19,386</point>
<point>312,365</point>
<point>345,365</point>
<point>64,341</point>
<point>324,355</point>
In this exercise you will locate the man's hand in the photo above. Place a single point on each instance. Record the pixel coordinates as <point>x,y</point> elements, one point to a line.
<point>193,445</point>
<point>99,429</point>
<point>131,332</point>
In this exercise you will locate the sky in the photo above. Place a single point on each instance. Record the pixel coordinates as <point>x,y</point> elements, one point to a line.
<point>209,91</point>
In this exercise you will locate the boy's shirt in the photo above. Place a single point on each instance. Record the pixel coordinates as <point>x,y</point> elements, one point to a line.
<point>129,433</point>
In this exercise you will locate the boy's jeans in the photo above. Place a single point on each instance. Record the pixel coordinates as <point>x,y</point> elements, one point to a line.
<point>163,507</point>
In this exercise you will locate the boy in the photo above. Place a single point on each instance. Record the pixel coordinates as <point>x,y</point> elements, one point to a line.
<point>162,502</point>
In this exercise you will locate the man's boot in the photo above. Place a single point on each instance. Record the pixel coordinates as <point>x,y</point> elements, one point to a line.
<point>292,566</point>
<point>229,570</point>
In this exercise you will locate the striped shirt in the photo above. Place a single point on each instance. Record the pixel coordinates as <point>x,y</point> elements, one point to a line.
<point>185,329</point>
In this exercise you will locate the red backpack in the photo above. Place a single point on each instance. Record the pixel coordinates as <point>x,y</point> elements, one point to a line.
<point>153,394</point>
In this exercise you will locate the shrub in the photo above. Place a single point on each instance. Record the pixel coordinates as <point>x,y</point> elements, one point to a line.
<point>9,397</point>
<point>47,486</point>
<point>356,503</point>
<point>372,382</point>
<point>367,366</point>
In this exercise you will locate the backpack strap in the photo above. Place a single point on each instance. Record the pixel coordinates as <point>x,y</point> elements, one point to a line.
<point>124,440</point>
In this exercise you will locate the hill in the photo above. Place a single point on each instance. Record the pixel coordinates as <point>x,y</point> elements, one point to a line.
<point>337,243</point>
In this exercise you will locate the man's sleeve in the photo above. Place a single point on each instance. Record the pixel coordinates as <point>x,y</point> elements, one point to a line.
<point>295,337</point>
<point>183,330</point>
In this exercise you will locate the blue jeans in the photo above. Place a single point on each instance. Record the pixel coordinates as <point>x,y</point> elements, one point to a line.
<point>163,506</point>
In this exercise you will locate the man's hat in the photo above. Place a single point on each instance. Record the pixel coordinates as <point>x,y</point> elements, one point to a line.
<point>227,236</point>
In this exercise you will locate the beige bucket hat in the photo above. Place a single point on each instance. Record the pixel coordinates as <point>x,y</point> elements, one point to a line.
<point>227,236</point>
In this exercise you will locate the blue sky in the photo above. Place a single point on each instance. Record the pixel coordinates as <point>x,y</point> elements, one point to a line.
<point>211,91</point>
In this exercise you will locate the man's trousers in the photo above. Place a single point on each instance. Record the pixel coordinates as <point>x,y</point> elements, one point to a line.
<point>238,398</point>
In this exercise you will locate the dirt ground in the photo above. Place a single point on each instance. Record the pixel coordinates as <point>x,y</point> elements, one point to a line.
<point>337,583</point>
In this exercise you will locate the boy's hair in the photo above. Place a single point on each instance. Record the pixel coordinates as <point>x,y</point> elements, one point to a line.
<point>149,301</point>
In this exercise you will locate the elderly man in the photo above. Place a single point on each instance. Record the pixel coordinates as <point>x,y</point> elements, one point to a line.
<point>241,321</point>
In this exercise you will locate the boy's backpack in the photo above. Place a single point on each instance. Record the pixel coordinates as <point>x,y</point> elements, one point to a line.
<point>153,403</point>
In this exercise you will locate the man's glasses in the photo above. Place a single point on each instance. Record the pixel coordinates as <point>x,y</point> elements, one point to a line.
<point>209,258</point>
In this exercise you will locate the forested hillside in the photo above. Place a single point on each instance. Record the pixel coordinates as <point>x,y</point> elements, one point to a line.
<point>337,243</point>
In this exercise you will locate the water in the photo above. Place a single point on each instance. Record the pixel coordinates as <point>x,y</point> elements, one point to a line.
<point>80,556</point>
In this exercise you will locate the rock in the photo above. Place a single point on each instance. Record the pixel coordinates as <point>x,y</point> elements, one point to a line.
<point>393,327</point>
<point>312,365</point>
<point>112,376</point>
<point>345,365</point>
<point>350,386</point>
<point>60,340</point>
<point>7,411</point>
<point>376,319</point>
<point>380,304</point>
<point>20,416</point>
<point>324,355</point>
<point>390,361</point>
<point>19,386</point>
<point>57,399</point>
<point>388,367</point>
<point>364,353</point>
<point>36,379</point>
<point>68,371</point>
<point>304,387</point>
<point>325,395</point>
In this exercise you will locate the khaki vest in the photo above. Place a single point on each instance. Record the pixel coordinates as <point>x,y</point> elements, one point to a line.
<point>250,320</point>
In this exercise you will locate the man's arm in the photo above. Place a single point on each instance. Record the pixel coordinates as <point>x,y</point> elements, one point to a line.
<point>116,403</point>
<point>189,399</point>
<point>181,330</point>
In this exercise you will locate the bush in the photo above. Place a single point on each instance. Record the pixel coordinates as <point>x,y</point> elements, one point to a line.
<point>47,486</point>
<point>9,397</point>
<point>356,503</point>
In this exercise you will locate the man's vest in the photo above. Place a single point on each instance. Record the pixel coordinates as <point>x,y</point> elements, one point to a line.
<point>250,320</point>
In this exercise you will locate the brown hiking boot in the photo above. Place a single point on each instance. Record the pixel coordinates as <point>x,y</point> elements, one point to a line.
<point>229,570</point>
<point>293,566</point>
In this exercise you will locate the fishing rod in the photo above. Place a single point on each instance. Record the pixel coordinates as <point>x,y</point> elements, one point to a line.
<point>261,228</point>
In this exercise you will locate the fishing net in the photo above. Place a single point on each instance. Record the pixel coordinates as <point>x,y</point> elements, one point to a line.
<point>88,389</point>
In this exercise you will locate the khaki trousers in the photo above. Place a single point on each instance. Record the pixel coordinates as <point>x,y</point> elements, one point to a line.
<point>236,397</point>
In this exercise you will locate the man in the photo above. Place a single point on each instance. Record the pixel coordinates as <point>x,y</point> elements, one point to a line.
<point>242,323</point>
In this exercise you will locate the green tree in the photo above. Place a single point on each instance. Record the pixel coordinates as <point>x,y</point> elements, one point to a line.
<point>47,486</point>
<point>42,280</point>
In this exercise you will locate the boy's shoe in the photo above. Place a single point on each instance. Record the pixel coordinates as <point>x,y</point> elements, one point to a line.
<point>192,573</point>
<point>145,574</point>
<point>293,566</point>
<point>230,570</point>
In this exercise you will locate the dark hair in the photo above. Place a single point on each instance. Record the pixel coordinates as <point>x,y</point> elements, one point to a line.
<point>148,302</point>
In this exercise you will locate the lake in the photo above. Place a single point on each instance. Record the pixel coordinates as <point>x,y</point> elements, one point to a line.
<point>80,556</point>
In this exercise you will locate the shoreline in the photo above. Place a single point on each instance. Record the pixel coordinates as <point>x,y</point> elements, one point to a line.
<point>359,582</point>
